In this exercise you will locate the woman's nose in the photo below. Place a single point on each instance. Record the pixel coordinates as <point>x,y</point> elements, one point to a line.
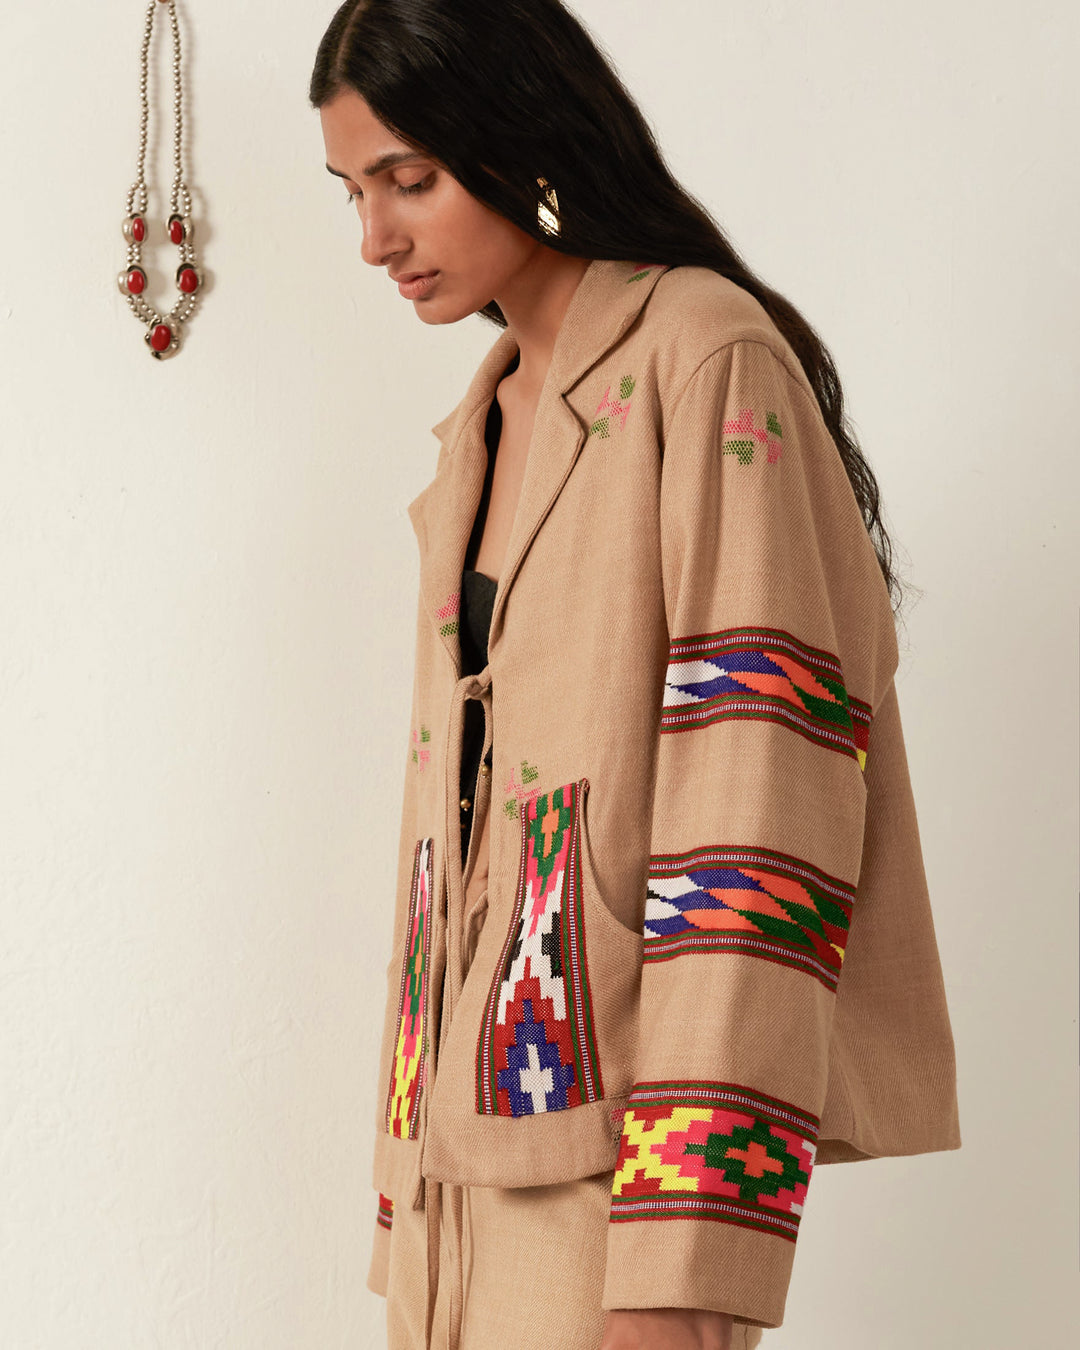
<point>381,237</point>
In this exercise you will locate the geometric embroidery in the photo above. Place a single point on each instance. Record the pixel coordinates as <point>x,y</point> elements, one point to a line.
<point>537,1047</point>
<point>704,1150</point>
<point>521,792</point>
<point>612,409</point>
<point>420,756</point>
<point>407,1071</point>
<point>763,673</point>
<point>449,612</point>
<point>385,1216</point>
<point>754,901</point>
<point>769,435</point>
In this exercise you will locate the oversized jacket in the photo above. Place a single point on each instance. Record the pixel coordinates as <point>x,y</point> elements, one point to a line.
<point>707,958</point>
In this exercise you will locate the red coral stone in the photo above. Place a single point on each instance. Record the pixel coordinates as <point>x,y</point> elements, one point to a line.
<point>136,281</point>
<point>138,229</point>
<point>188,280</point>
<point>176,230</point>
<point>161,337</point>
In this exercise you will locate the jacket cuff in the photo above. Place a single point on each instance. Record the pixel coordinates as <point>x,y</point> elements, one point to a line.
<point>379,1269</point>
<point>688,1263</point>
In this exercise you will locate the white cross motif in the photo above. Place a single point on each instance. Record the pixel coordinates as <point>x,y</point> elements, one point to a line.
<point>535,1081</point>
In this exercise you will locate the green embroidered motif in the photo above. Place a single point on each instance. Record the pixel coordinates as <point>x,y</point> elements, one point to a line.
<point>773,1168</point>
<point>529,774</point>
<point>744,449</point>
<point>447,628</point>
<point>643,269</point>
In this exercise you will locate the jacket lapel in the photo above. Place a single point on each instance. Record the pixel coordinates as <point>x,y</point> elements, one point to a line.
<point>606,302</point>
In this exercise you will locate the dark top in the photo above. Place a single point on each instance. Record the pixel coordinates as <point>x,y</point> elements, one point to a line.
<point>474,623</point>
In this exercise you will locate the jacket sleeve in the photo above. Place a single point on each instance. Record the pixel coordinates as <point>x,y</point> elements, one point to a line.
<point>378,1276</point>
<point>781,637</point>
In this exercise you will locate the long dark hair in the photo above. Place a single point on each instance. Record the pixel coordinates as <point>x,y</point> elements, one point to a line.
<point>502,91</point>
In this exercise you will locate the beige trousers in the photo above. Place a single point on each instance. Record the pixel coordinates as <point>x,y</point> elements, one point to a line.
<point>521,1268</point>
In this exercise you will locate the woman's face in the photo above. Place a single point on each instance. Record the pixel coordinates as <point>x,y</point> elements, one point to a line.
<point>417,217</point>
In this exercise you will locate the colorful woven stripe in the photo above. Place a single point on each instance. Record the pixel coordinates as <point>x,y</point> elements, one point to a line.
<point>385,1217</point>
<point>537,1048</point>
<point>768,674</point>
<point>704,1150</point>
<point>407,1074</point>
<point>750,900</point>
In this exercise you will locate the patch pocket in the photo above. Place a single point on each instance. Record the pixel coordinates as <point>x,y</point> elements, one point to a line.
<point>537,1048</point>
<point>407,1070</point>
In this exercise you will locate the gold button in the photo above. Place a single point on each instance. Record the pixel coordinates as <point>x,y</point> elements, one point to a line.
<point>465,803</point>
<point>484,770</point>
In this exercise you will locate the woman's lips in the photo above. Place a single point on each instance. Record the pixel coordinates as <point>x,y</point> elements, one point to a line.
<point>413,290</point>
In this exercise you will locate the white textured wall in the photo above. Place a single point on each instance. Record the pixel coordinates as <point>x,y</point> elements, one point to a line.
<point>205,647</point>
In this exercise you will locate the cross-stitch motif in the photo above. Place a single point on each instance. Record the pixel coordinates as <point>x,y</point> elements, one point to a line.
<point>385,1216</point>
<point>613,409</point>
<point>407,1073</point>
<point>703,1150</point>
<point>768,674</point>
<point>747,436</point>
<point>521,792</point>
<point>537,1047</point>
<point>755,901</point>
<point>420,756</point>
<point>643,270</point>
<point>448,611</point>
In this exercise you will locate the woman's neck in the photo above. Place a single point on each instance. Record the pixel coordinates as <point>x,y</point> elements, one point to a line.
<point>534,304</point>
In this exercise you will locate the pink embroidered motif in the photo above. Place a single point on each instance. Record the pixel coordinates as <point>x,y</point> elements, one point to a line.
<point>612,409</point>
<point>520,795</point>
<point>449,612</point>
<point>768,435</point>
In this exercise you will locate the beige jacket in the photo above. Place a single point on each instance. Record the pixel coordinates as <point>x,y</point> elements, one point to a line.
<point>705,959</point>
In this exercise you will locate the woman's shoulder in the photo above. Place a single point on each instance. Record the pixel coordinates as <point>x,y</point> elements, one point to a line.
<point>694,312</point>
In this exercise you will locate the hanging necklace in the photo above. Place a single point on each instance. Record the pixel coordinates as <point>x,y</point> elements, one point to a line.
<point>162,331</point>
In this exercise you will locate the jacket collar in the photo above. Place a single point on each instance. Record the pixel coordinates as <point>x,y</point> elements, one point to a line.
<point>607,300</point>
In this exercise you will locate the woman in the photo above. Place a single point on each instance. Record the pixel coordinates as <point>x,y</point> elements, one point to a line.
<point>654,683</point>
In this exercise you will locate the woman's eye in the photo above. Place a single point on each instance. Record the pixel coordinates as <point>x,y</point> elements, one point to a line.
<point>406,190</point>
<point>417,187</point>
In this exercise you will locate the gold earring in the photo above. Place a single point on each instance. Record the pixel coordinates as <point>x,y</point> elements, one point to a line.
<point>547,216</point>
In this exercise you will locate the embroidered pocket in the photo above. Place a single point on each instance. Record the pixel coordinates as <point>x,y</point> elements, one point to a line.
<point>537,1048</point>
<point>407,1070</point>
